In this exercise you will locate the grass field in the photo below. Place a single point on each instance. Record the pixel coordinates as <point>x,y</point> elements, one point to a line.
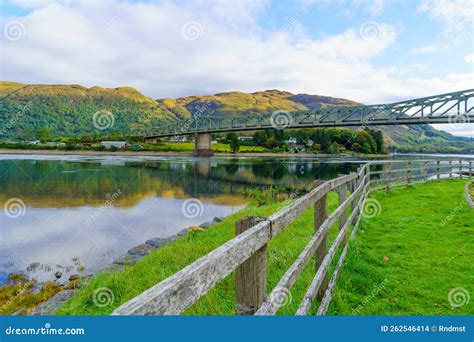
<point>189,147</point>
<point>406,260</point>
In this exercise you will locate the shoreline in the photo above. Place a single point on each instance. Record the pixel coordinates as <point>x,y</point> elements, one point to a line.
<point>180,154</point>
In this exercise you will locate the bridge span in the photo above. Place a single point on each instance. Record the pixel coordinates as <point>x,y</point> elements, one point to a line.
<point>450,108</point>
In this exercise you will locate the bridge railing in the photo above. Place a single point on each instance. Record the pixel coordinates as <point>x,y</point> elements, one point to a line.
<point>246,253</point>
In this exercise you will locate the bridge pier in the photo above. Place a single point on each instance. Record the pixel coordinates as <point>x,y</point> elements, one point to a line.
<point>151,140</point>
<point>202,145</point>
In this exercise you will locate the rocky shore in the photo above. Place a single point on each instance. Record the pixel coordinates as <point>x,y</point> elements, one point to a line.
<point>132,256</point>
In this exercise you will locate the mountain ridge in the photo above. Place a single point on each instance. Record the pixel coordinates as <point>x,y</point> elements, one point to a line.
<point>68,110</point>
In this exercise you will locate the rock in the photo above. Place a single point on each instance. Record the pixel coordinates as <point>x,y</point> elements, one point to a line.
<point>127,259</point>
<point>21,312</point>
<point>140,250</point>
<point>206,224</point>
<point>158,242</point>
<point>58,274</point>
<point>218,219</point>
<point>184,232</point>
<point>51,305</point>
<point>73,277</point>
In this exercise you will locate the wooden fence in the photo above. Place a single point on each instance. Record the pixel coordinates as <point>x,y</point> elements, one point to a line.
<point>246,253</point>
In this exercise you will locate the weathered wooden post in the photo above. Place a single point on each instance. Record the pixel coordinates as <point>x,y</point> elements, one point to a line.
<point>409,173</point>
<point>353,189</point>
<point>460,168</point>
<point>251,275</point>
<point>425,171</point>
<point>389,177</point>
<point>342,194</point>
<point>320,214</point>
<point>450,169</point>
<point>437,170</point>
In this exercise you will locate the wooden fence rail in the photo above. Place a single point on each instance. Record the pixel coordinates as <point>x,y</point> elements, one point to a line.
<point>246,253</point>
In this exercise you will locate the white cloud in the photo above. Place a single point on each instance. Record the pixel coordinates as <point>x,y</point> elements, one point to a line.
<point>142,45</point>
<point>455,16</point>
<point>469,58</point>
<point>424,49</point>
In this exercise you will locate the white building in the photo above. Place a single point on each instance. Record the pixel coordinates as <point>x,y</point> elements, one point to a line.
<point>117,144</point>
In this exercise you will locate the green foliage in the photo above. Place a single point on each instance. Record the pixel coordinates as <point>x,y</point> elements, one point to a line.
<point>43,134</point>
<point>259,197</point>
<point>233,140</point>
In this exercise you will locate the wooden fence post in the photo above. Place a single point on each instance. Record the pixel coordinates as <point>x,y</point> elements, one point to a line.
<point>460,168</point>
<point>251,275</point>
<point>389,177</point>
<point>409,173</point>
<point>437,170</point>
<point>342,194</point>
<point>320,214</point>
<point>450,169</point>
<point>425,174</point>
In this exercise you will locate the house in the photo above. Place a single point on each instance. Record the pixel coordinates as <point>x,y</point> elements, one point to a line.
<point>291,140</point>
<point>178,138</point>
<point>54,144</point>
<point>245,138</point>
<point>116,144</point>
<point>33,142</point>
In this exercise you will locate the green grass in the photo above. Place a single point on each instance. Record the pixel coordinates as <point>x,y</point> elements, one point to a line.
<point>401,262</point>
<point>406,260</point>
<point>189,147</point>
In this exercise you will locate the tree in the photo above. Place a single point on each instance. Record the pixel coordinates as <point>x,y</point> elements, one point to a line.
<point>259,138</point>
<point>271,143</point>
<point>43,134</point>
<point>378,137</point>
<point>233,141</point>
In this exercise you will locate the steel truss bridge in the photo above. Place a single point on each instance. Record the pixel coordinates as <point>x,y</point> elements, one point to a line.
<point>451,108</point>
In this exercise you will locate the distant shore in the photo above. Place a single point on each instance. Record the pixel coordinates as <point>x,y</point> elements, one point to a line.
<point>173,153</point>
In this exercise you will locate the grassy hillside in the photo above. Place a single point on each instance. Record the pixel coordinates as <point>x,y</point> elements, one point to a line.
<point>68,110</point>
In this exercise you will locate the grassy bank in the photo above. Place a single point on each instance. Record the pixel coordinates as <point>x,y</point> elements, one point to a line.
<point>407,260</point>
<point>405,253</point>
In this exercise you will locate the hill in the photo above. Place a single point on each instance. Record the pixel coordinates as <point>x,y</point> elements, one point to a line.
<point>68,110</point>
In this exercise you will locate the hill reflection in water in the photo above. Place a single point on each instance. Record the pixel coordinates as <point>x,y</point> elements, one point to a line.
<point>82,212</point>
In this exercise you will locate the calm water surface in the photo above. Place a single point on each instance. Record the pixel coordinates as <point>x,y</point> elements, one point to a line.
<point>81,212</point>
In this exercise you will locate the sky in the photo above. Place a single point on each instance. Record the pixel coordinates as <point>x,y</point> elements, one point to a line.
<point>371,51</point>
